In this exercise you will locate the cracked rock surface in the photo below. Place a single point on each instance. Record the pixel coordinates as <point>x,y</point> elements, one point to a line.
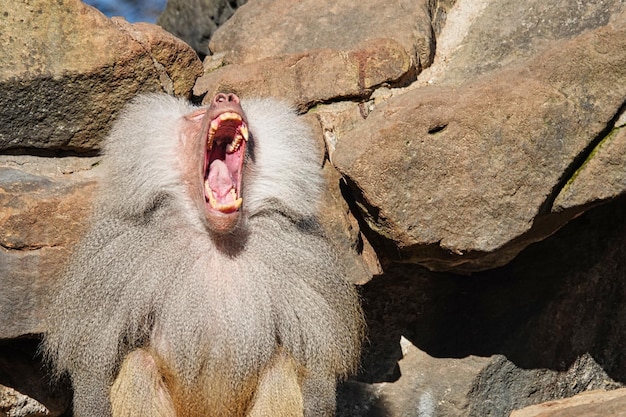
<point>455,178</point>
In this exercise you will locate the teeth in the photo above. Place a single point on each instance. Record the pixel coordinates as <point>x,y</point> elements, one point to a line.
<point>207,191</point>
<point>212,129</point>
<point>243,129</point>
<point>229,116</point>
<point>234,205</point>
<point>235,144</point>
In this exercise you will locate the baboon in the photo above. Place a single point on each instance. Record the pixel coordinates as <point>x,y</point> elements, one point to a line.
<point>206,285</point>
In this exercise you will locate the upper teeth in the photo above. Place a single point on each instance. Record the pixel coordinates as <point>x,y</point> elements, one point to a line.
<point>242,131</point>
<point>235,144</point>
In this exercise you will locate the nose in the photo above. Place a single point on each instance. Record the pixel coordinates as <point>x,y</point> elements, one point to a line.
<point>225,98</point>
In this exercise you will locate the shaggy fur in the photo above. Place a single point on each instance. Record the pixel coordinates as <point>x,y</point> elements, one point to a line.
<point>214,311</point>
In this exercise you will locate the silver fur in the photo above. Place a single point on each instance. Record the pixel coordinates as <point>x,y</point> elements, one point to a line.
<point>149,273</point>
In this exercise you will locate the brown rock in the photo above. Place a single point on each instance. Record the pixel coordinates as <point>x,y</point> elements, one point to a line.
<point>596,403</point>
<point>601,177</point>
<point>548,325</point>
<point>353,249</point>
<point>483,35</point>
<point>448,175</point>
<point>66,70</point>
<point>303,78</point>
<point>43,215</point>
<point>343,230</point>
<point>268,28</point>
<point>429,386</point>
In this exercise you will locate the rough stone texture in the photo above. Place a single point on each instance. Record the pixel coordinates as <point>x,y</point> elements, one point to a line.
<point>16,404</point>
<point>423,390</point>
<point>601,177</point>
<point>499,33</point>
<point>60,86</point>
<point>45,203</point>
<point>455,177</point>
<point>195,21</point>
<point>304,77</point>
<point>267,28</point>
<point>588,404</point>
<point>549,325</point>
<point>359,258</point>
<point>25,388</point>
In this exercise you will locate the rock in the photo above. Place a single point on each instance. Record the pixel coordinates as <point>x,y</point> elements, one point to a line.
<point>601,177</point>
<point>549,325</point>
<point>484,35</point>
<point>358,255</point>
<point>269,28</point>
<point>304,76</point>
<point>14,403</point>
<point>45,208</point>
<point>455,178</point>
<point>457,387</point>
<point>504,385</point>
<point>195,21</point>
<point>25,386</point>
<point>588,404</point>
<point>61,86</point>
<point>429,386</point>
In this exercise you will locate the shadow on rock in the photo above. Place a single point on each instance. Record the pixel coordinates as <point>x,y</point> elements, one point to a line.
<point>554,317</point>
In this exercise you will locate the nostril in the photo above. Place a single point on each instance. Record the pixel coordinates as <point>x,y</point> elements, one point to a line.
<point>225,98</point>
<point>220,98</point>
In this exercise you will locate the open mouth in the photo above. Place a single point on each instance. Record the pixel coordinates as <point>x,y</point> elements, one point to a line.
<point>225,150</point>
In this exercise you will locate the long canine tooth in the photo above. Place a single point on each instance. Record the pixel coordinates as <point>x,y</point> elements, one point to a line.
<point>212,129</point>
<point>209,193</point>
<point>243,129</point>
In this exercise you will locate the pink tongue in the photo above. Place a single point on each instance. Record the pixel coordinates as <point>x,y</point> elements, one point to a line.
<point>219,178</point>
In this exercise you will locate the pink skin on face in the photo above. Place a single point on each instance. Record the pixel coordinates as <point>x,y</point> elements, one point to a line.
<point>213,146</point>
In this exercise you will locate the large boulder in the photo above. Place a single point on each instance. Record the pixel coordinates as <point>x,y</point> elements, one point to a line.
<point>305,76</point>
<point>464,177</point>
<point>267,28</point>
<point>66,70</point>
<point>45,204</point>
<point>456,178</point>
